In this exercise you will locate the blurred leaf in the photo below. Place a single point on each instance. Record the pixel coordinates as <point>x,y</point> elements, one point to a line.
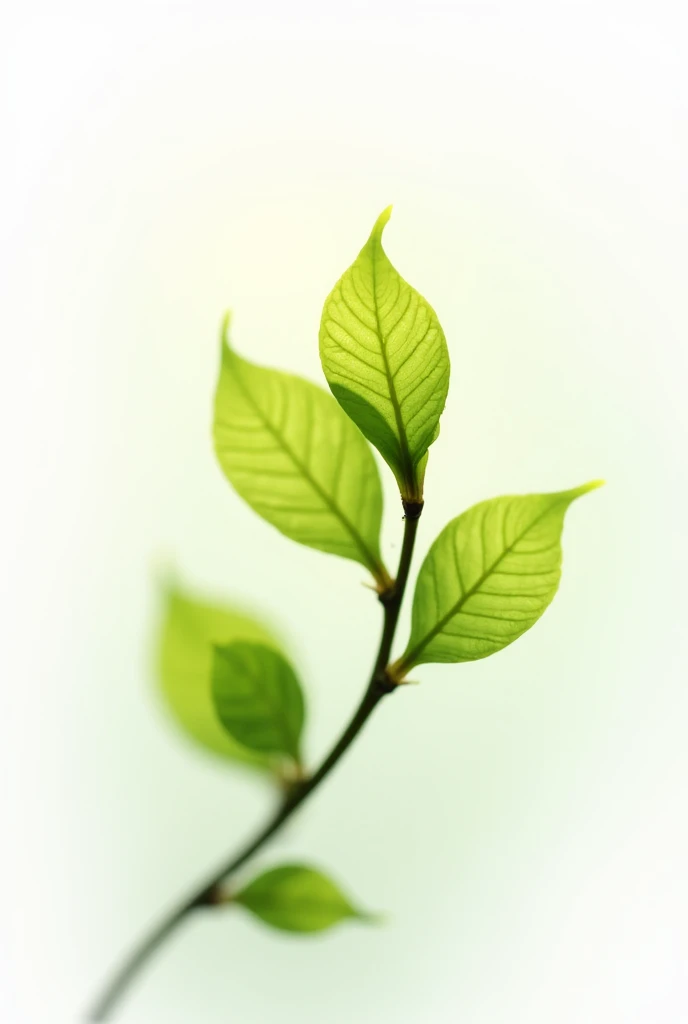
<point>190,630</point>
<point>385,358</point>
<point>487,578</point>
<point>296,898</point>
<point>299,462</point>
<point>258,698</point>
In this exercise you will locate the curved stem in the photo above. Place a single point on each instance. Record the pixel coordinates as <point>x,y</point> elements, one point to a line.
<point>208,892</point>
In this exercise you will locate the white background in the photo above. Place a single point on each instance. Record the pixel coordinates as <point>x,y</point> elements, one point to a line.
<point>521,820</point>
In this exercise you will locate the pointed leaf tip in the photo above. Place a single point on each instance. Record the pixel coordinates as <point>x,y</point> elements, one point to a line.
<point>274,435</point>
<point>385,358</point>
<point>224,329</point>
<point>592,485</point>
<point>299,898</point>
<point>380,224</point>
<point>488,578</point>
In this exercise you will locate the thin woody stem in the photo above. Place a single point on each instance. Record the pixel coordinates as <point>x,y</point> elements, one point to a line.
<point>208,894</point>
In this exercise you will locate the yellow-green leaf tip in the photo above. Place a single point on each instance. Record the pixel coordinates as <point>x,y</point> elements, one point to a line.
<point>379,226</point>
<point>224,330</point>
<point>578,492</point>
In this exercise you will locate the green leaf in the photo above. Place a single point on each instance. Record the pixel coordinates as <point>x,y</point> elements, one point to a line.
<point>258,698</point>
<point>190,629</point>
<point>385,358</point>
<point>297,898</point>
<point>298,461</point>
<point>487,578</point>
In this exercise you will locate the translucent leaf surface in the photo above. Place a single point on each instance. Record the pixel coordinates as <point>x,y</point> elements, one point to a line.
<point>385,358</point>
<point>258,698</point>
<point>487,578</point>
<point>190,629</point>
<point>297,898</point>
<point>300,463</point>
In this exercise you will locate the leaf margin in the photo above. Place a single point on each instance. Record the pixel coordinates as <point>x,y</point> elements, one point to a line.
<point>188,623</point>
<point>289,722</point>
<point>408,467</point>
<point>410,658</point>
<point>287,872</point>
<point>232,364</point>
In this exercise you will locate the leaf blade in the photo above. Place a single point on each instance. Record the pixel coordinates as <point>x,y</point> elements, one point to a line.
<point>189,629</point>
<point>385,358</point>
<point>297,898</point>
<point>258,698</point>
<point>295,458</point>
<point>487,578</point>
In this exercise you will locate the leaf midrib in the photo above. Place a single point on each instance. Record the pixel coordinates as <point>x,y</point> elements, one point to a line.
<point>406,463</point>
<point>286,903</point>
<point>373,563</point>
<point>291,744</point>
<point>407,660</point>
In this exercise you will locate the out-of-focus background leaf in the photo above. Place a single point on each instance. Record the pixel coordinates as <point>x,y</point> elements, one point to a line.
<point>190,628</point>
<point>297,898</point>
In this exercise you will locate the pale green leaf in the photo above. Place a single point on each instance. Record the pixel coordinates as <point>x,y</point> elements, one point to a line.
<point>190,629</point>
<point>258,698</point>
<point>487,578</point>
<point>385,358</point>
<point>290,452</point>
<point>297,898</point>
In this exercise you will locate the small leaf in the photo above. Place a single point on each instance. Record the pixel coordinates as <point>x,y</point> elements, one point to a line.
<point>385,358</point>
<point>190,629</point>
<point>296,898</point>
<point>258,698</point>
<point>298,461</point>
<point>487,578</point>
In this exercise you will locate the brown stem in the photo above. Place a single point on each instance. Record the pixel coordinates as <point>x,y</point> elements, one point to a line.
<point>207,893</point>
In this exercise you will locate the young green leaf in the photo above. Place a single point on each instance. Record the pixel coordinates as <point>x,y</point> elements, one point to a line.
<point>190,629</point>
<point>385,358</point>
<point>298,461</point>
<point>258,698</point>
<point>296,898</point>
<point>487,578</point>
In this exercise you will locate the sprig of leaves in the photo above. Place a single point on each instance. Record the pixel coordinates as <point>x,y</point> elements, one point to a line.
<point>303,463</point>
<point>301,460</point>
